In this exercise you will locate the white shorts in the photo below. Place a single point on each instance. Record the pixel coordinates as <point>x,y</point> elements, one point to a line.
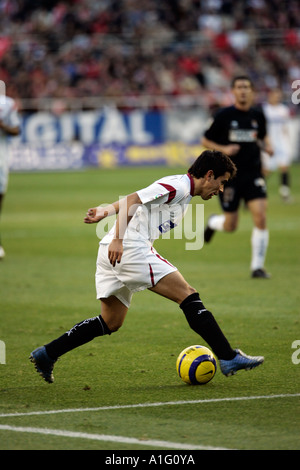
<point>276,161</point>
<point>141,267</point>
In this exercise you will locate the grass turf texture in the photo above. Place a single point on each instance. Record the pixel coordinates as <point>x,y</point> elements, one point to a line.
<point>47,285</point>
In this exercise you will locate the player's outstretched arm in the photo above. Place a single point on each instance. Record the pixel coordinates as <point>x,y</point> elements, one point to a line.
<point>95,214</point>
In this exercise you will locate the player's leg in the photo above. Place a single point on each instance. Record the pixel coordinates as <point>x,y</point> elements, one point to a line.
<point>174,287</point>
<point>2,252</point>
<point>258,208</point>
<point>113,313</point>
<point>3,188</point>
<point>285,183</point>
<point>260,237</point>
<point>231,221</point>
<point>228,221</point>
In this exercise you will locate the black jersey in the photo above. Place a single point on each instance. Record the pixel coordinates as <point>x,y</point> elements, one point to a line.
<point>245,128</point>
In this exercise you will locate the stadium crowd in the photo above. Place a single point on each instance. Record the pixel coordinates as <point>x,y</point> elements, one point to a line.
<point>112,48</point>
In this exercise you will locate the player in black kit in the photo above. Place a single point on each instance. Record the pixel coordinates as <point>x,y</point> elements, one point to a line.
<point>240,132</point>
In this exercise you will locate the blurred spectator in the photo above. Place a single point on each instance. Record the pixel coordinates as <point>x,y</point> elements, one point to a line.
<point>81,48</point>
<point>9,126</point>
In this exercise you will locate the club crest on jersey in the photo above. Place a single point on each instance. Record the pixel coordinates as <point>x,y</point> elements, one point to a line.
<point>166,226</point>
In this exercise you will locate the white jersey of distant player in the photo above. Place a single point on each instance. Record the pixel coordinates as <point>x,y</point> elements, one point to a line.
<point>164,204</point>
<point>9,116</point>
<point>277,117</point>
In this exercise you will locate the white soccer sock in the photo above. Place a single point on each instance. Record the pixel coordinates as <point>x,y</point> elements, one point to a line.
<point>284,191</point>
<point>216,222</point>
<point>259,242</point>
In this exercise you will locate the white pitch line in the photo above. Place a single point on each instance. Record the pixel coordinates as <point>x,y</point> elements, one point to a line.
<point>108,438</point>
<point>149,405</point>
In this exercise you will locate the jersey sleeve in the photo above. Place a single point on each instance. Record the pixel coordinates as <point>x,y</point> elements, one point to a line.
<point>215,129</point>
<point>167,190</point>
<point>11,117</point>
<point>159,193</point>
<point>262,131</point>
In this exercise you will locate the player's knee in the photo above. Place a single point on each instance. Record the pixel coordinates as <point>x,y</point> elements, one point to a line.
<point>261,222</point>
<point>114,326</point>
<point>230,226</point>
<point>231,221</point>
<point>189,290</point>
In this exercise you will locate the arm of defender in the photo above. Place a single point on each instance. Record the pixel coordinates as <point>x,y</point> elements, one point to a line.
<point>229,150</point>
<point>267,146</point>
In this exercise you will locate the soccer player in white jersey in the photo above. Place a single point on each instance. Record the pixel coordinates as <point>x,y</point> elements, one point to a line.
<point>127,263</point>
<point>277,115</point>
<point>9,126</point>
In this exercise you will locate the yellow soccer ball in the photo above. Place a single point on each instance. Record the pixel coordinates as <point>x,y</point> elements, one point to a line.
<point>196,365</point>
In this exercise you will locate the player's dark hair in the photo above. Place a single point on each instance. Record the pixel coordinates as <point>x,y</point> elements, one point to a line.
<point>242,77</point>
<point>213,160</point>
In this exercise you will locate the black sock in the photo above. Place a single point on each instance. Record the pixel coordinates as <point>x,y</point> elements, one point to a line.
<point>81,333</point>
<point>285,179</point>
<point>203,322</point>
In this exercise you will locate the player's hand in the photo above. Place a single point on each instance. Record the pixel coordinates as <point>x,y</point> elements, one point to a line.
<point>94,215</point>
<point>115,251</point>
<point>269,149</point>
<point>231,149</point>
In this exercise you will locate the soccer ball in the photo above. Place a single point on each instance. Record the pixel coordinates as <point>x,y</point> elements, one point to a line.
<point>196,365</point>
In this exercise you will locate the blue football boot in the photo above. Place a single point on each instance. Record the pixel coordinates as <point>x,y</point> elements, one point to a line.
<point>240,361</point>
<point>43,363</point>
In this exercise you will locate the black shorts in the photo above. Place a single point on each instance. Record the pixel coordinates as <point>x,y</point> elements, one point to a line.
<point>246,187</point>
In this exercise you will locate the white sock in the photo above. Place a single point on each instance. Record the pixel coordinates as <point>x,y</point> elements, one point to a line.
<point>259,242</point>
<point>284,191</point>
<point>216,222</point>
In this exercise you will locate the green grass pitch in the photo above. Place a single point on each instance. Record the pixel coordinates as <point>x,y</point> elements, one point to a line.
<point>47,285</point>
